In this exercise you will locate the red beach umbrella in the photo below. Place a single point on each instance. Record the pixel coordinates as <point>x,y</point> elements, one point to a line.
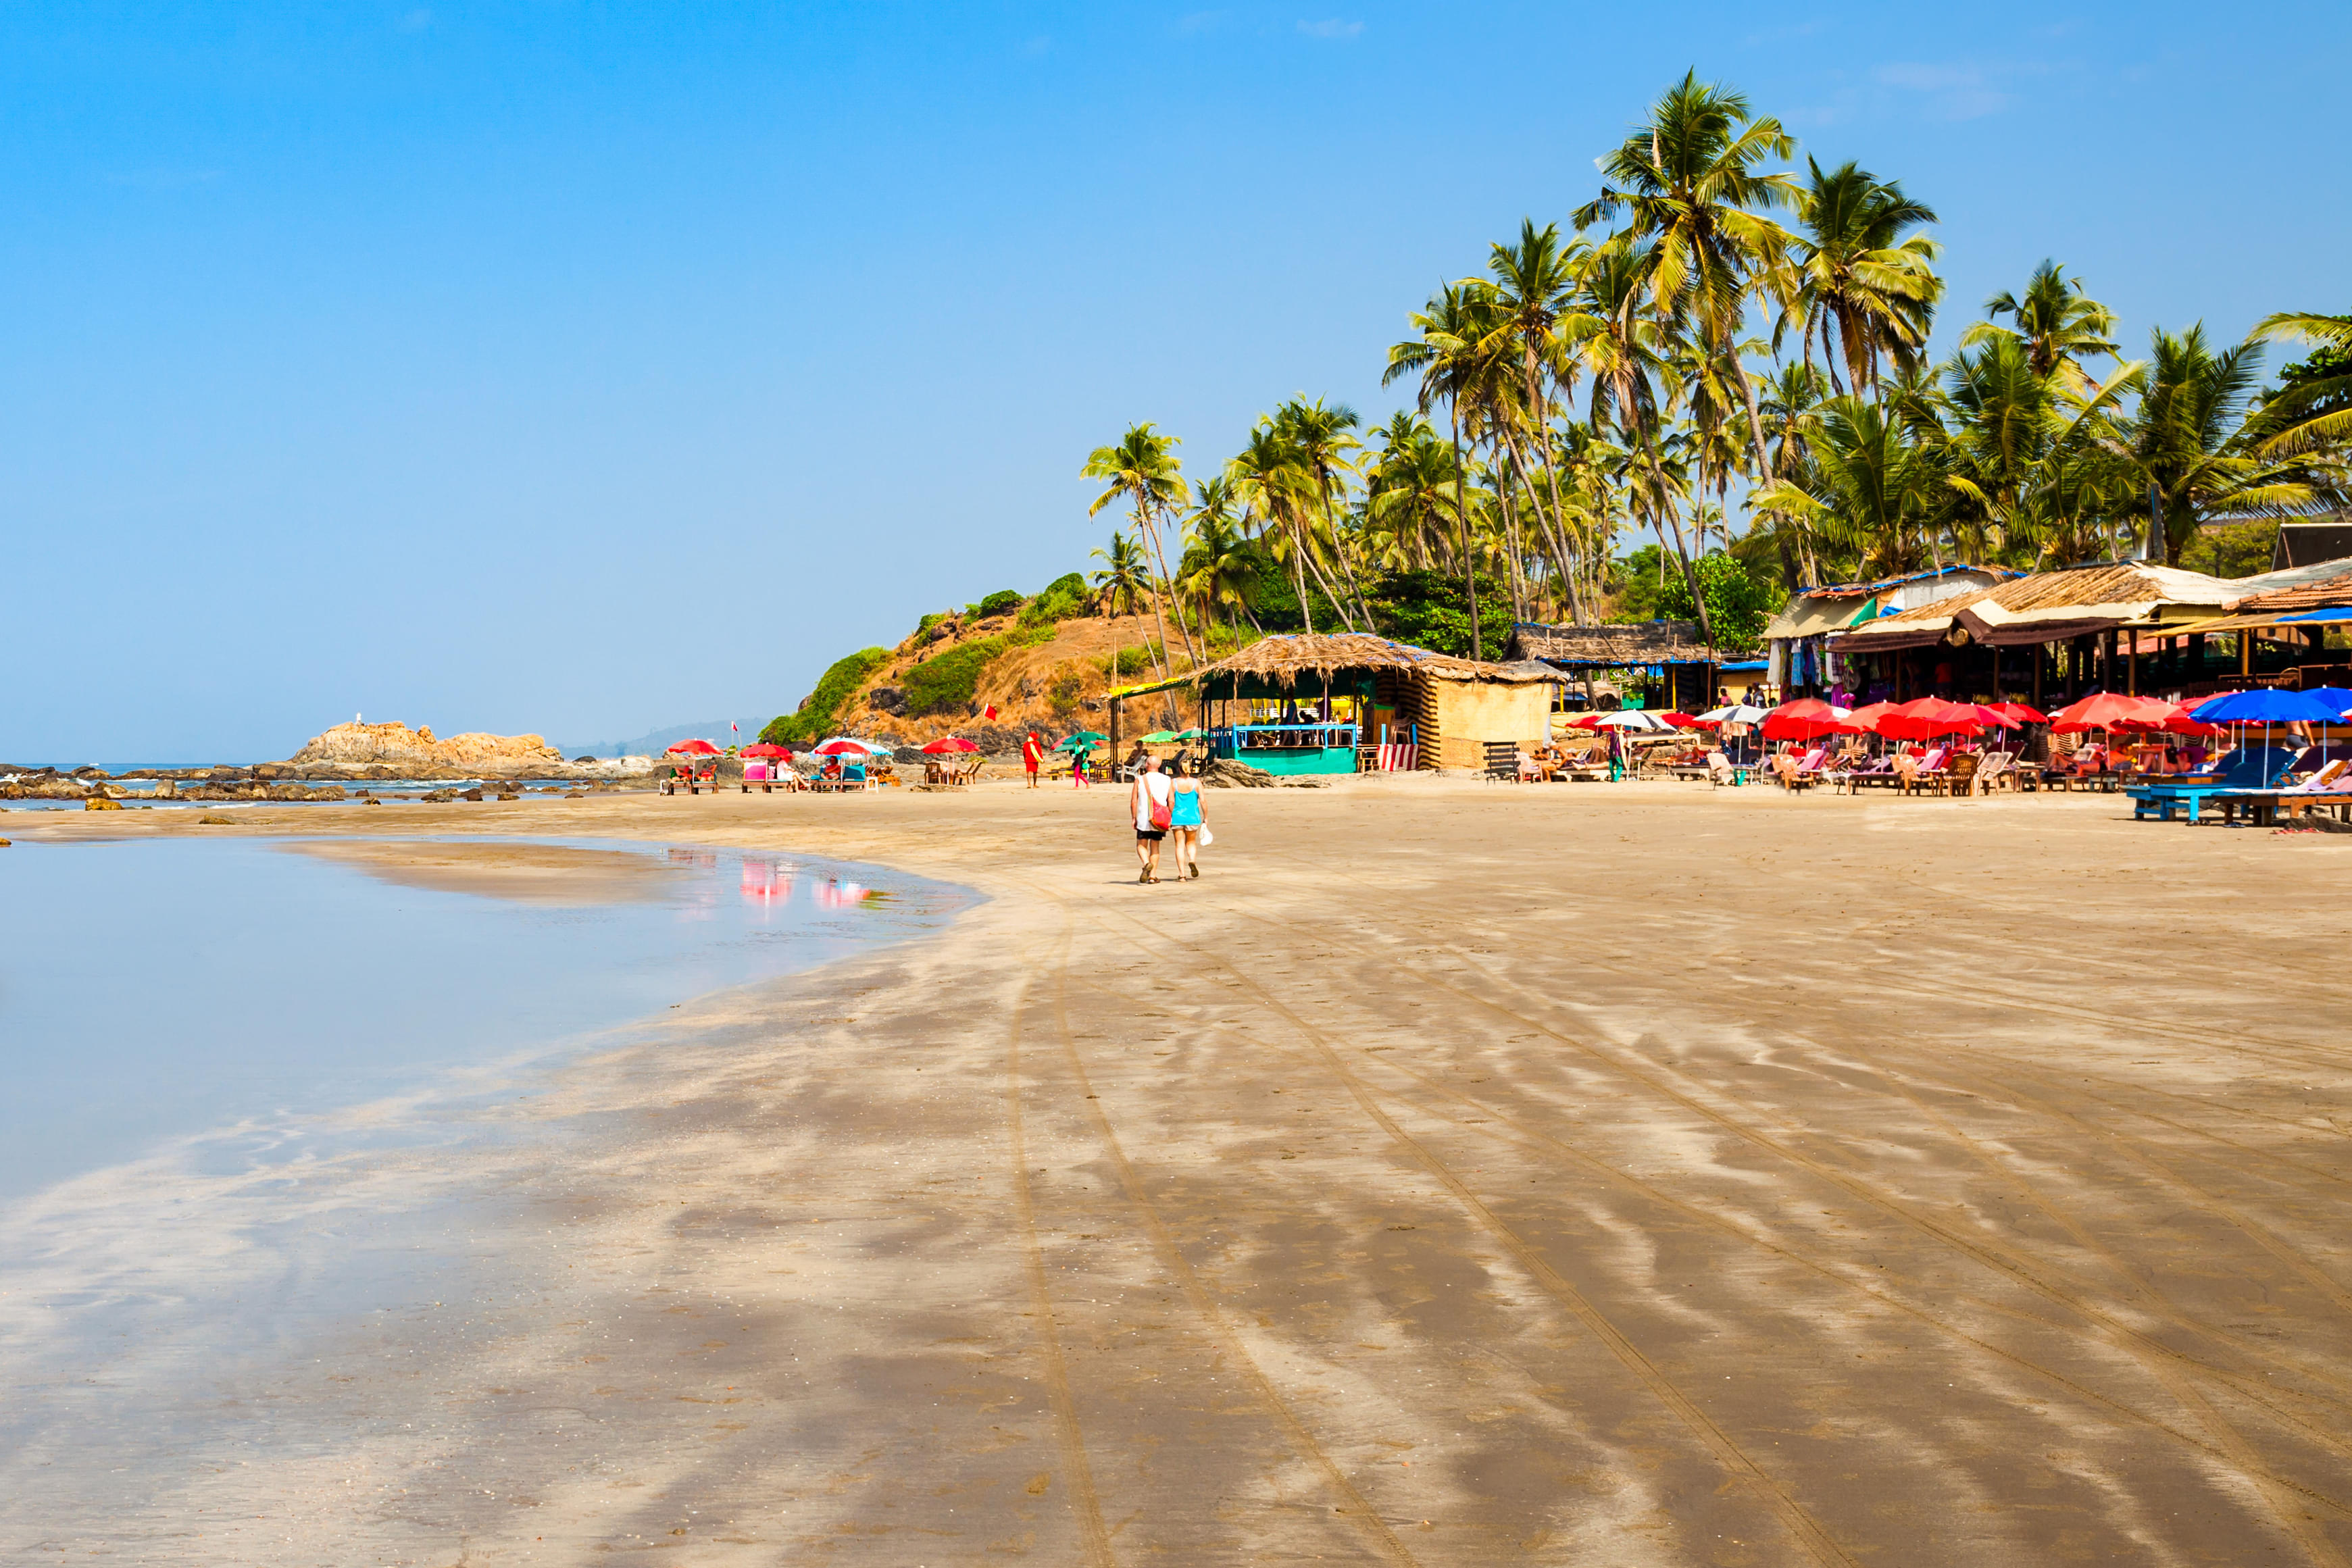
<point>1924,718</point>
<point>1995,713</point>
<point>950,743</point>
<point>1682,720</point>
<point>766,749</point>
<point>695,747</point>
<point>2024,713</point>
<point>1806,718</point>
<point>2103,710</point>
<point>1865,719</point>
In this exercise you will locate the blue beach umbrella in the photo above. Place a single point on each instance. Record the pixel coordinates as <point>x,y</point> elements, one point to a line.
<point>2336,697</point>
<point>2266,706</point>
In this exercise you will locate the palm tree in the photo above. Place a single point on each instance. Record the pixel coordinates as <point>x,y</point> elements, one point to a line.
<point>1866,290</point>
<point>1535,283</point>
<point>2024,453</point>
<point>1276,491</point>
<point>1218,565</point>
<point>2061,325</point>
<point>1124,585</point>
<point>1871,489</point>
<point>1447,357</point>
<point>1413,487</point>
<point>1689,183</point>
<point>1143,471</point>
<point>1319,437</point>
<point>2197,445</point>
<point>2319,410</point>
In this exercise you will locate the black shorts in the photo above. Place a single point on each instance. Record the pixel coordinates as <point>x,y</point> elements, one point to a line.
<point>1153,834</point>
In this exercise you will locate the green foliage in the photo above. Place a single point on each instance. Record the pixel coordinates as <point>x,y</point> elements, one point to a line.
<point>1134,661</point>
<point>1635,586</point>
<point>2232,549</point>
<point>813,719</point>
<point>923,627</point>
<point>1003,602</point>
<point>1738,604</point>
<point>1429,610</point>
<point>949,680</point>
<point>1064,598</point>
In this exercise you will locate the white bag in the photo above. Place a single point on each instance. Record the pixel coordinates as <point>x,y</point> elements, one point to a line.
<point>1207,838</point>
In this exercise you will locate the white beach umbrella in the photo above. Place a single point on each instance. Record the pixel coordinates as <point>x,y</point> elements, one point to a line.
<point>839,745</point>
<point>1737,713</point>
<point>1631,718</point>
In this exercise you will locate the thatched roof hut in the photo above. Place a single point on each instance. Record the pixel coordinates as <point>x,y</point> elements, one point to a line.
<point>1446,707</point>
<point>1281,661</point>
<point>1610,647</point>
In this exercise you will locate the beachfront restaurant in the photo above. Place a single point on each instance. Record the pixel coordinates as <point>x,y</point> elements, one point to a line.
<point>2132,627</point>
<point>1801,657</point>
<point>1341,701</point>
<point>1664,661</point>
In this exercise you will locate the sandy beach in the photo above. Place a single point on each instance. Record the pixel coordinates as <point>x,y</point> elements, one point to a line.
<point>1457,1174</point>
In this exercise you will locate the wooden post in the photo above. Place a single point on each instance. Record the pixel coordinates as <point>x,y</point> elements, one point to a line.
<point>1996,675</point>
<point>2041,652</point>
<point>1113,774</point>
<point>2131,678</point>
<point>2245,651</point>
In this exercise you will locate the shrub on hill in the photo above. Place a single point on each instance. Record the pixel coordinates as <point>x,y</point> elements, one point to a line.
<point>813,719</point>
<point>949,680</point>
<point>1064,598</point>
<point>1003,602</point>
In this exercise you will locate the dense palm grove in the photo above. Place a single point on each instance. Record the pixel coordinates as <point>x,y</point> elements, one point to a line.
<point>1751,397</point>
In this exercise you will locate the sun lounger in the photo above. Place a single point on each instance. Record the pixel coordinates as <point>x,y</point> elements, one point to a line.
<point>2251,769</point>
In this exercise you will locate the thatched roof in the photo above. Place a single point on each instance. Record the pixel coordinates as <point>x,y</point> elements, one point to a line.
<point>1281,660</point>
<point>2324,594</point>
<point>2052,606</point>
<point>1643,643</point>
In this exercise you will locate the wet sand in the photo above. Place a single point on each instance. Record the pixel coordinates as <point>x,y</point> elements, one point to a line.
<point>1458,1174</point>
<point>524,874</point>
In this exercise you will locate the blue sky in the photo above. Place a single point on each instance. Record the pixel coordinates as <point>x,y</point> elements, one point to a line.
<point>587,368</point>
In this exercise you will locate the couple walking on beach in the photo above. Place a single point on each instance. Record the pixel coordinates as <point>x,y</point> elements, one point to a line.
<point>1166,805</point>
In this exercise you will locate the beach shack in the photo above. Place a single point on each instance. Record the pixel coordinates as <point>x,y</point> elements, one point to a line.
<point>2117,626</point>
<point>1665,659</point>
<point>1799,651</point>
<point>1338,702</point>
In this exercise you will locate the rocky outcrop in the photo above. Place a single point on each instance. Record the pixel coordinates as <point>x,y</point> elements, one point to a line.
<point>398,744</point>
<point>393,751</point>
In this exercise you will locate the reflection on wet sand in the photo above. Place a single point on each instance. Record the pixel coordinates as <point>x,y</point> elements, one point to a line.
<point>520,874</point>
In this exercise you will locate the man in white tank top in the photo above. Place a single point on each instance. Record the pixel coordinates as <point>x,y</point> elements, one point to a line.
<point>1147,801</point>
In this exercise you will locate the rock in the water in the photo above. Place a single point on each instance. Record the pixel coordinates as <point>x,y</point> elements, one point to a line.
<point>396,743</point>
<point>439,797</point>
<point>101,803</point>
<point>473,794</point>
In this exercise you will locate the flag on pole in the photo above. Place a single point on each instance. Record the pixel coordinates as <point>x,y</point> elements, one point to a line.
<point>991,712</point>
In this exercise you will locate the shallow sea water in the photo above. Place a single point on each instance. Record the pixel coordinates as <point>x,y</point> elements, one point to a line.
<point>243,1085</point>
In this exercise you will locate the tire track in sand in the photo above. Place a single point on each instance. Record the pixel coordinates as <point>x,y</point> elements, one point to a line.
<point>1497,1119</point>
<point>1357,1511</point>
<point>1807,1533</point>
<point>1084,1502</point>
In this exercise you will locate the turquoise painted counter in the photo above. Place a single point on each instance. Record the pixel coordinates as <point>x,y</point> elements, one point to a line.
<point>1295,758</point>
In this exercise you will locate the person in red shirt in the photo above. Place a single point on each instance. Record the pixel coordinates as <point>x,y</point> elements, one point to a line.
<point>1033,754</point>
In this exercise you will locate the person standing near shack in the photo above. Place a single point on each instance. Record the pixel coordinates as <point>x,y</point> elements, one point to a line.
<point>1149,800</point>
<point>1033,754</point>
<point>1082,755</point>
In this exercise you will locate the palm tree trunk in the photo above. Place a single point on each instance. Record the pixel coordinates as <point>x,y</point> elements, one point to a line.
<point>1462,518</point>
